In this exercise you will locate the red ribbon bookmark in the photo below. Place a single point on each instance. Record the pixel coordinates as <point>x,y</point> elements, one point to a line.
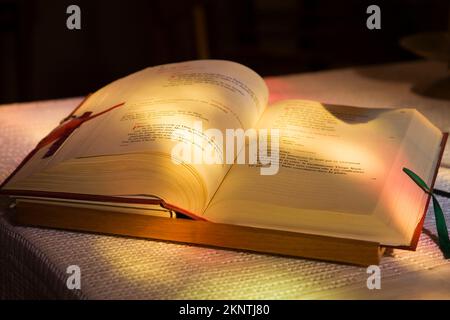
<point>65,129</point>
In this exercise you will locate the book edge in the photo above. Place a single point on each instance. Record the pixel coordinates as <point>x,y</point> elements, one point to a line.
<point>418,231</point>
<point>201,233</point>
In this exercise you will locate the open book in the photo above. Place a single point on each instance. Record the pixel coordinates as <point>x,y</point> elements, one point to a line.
<point>329,171</point>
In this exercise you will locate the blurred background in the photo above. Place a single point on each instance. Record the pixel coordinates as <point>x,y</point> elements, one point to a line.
<point>41,59</point>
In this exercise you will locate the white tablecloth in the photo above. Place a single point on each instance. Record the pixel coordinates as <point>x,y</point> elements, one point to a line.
<point>33,261</point>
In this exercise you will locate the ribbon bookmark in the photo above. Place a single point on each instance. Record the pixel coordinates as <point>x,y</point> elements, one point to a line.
<point>441,226</point>
<point>65,129</point>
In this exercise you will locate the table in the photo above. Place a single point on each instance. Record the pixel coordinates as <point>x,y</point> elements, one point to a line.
<point>33,261</point>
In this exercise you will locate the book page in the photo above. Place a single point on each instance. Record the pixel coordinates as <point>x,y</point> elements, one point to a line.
<point>335,172</point>
<point>189,97</point>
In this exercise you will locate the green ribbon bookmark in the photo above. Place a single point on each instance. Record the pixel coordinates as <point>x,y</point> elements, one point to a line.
<point>441,226</point>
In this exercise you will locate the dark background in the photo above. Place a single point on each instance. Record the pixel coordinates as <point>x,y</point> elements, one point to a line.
<point>41,59</point>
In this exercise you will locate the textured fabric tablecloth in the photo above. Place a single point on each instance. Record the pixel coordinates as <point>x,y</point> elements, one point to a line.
<point>33,261</point>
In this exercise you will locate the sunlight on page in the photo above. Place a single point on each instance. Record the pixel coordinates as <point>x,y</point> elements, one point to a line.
<point>404,206</point>
<point>221,94</point>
